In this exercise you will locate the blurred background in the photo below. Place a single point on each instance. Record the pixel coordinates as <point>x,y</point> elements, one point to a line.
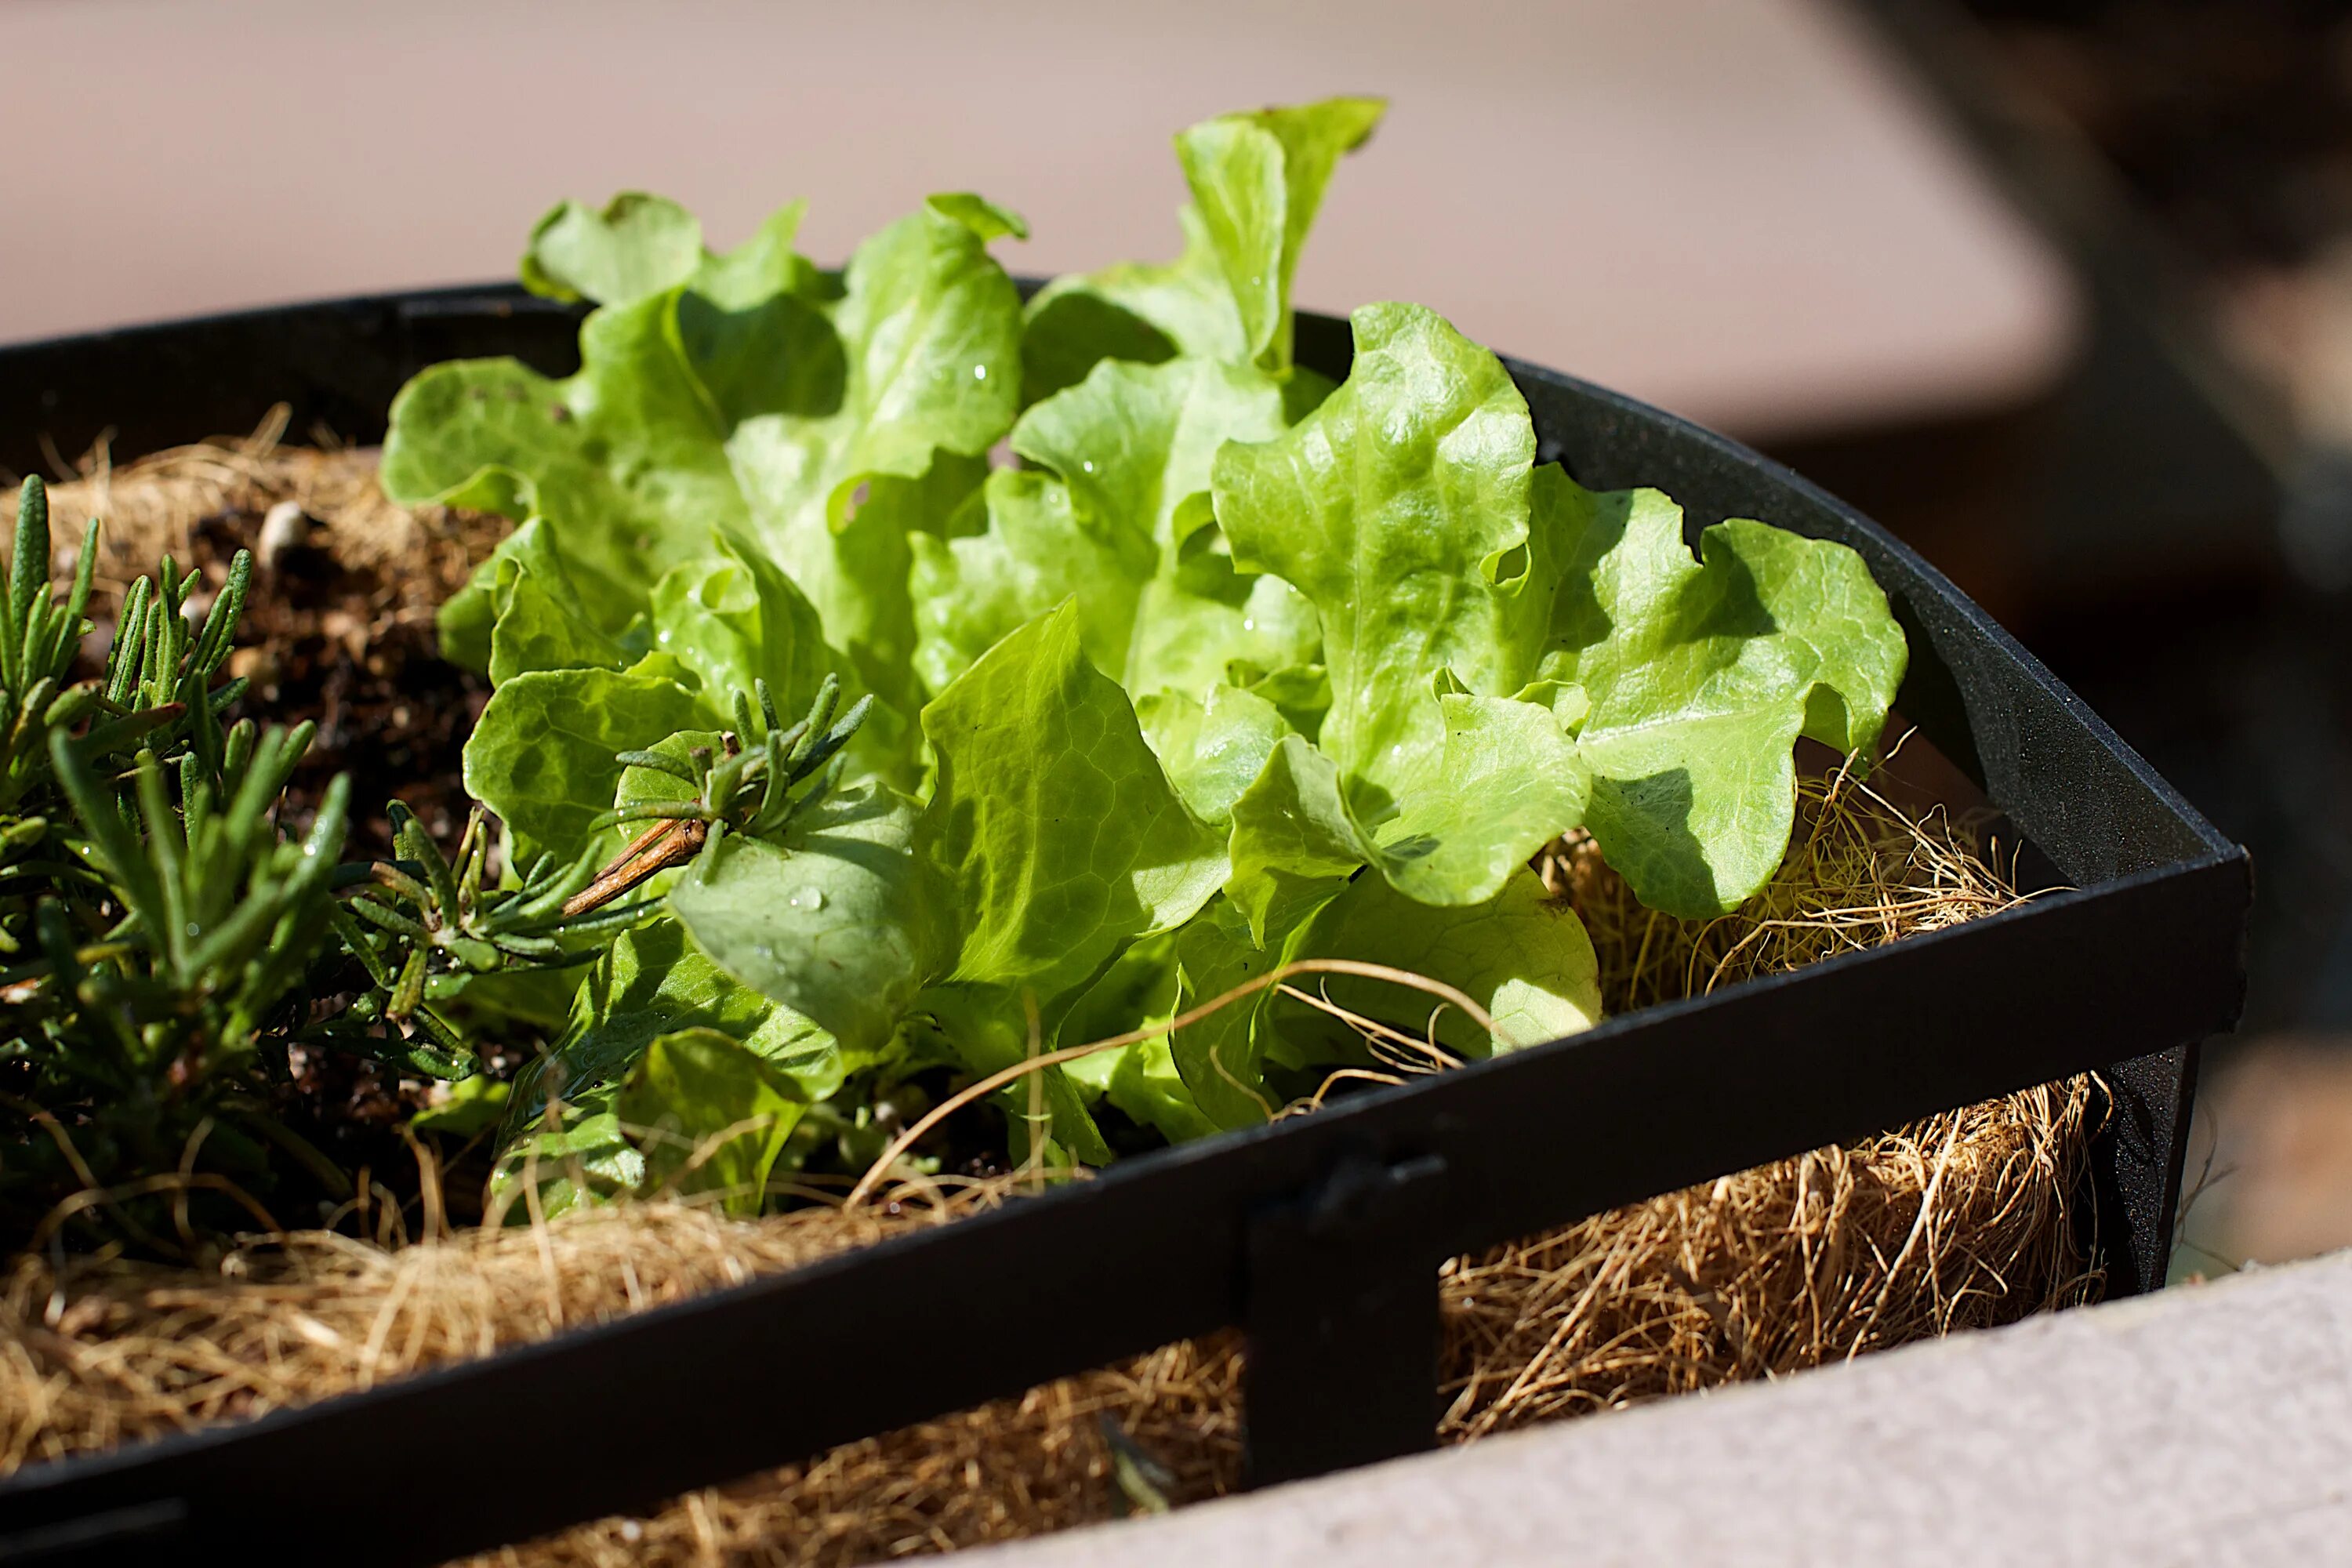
<point>2062,291</point>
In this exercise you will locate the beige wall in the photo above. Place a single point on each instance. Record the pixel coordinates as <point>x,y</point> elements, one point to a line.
<point>1725,206</point>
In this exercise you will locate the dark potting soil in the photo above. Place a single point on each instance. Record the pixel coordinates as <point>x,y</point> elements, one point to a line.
<point>334,644</point>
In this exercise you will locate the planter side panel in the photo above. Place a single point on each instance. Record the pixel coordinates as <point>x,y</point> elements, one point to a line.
<point>338,363</point>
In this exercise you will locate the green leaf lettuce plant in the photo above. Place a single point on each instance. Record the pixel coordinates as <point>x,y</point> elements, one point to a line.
<point>1227,666</point>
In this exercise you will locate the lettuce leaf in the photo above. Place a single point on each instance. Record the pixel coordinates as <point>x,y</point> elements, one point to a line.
<point>1522,955</point>
<point>1055,834</point>
<point>1118,521</point>
<point>1146,1087</point>
<point>1221,1057</point>
<point>694,1110</point>
<point>1697,676</point>
<point>710,1116</point>
<point>1506,781</point>
<point>731,619</point>
<point>542,754</point>
<point>636,246</point>
<point>831,920</point>
<point>1055,841</point>
<point>751,399</point>
<point>972,592</point>
<point>1213,749</point>
<point>568,698</point>
<point>1257,180</point>
<point>624,457</point>
<point>541,621</point>
<point>654,981</point>
<point>582,1157</point>
<point>1400,508</point>
<point>930,328</point>
<point>862,915</point>
<point>622,454</point>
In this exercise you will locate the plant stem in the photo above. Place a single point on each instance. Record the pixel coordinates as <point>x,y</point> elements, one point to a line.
<point>652,852</point>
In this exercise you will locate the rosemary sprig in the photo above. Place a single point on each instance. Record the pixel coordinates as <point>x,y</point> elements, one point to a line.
<point>744,786</point>
<point>422,920</point>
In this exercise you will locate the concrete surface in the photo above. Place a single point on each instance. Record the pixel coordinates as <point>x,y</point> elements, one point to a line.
<point>1731,207</point>
<point>2208,1424</point>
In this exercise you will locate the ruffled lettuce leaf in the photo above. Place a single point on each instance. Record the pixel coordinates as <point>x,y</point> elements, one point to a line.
<point>1215,749</point>
<point>930,328</point>
<point>1115,515</point>
<point>625,458</point>
<point>1052,841</point>
<point>638,245</point>
<point>1137,990</point>
<point>1221,1057</point>
<point>731,619</point>
<point>1505,781</point>
<point>1036,551</point>
<point>1134,442</point>
<point>1400,508</point>
<point>654,981</point>
<point>542,755</point>
<point>541,621</point>
<point>1053,828</point>
<point>695,1112</point>
<point>1146,1087</point>
<point>1523,955</point>
<point>635,245</point>
<point>1257,180</point>
<point>755,399</point>
<point>1055,841</point>
<point>1509,656</point>
<point>1695,677</point>
<point>621,453</point>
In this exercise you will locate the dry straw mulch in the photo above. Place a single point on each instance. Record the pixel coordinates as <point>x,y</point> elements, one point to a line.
<point>1958,1222</point>
<point>161,501</point>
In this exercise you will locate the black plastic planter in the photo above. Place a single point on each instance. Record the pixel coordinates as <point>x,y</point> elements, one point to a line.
<point>1319,1235</point>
